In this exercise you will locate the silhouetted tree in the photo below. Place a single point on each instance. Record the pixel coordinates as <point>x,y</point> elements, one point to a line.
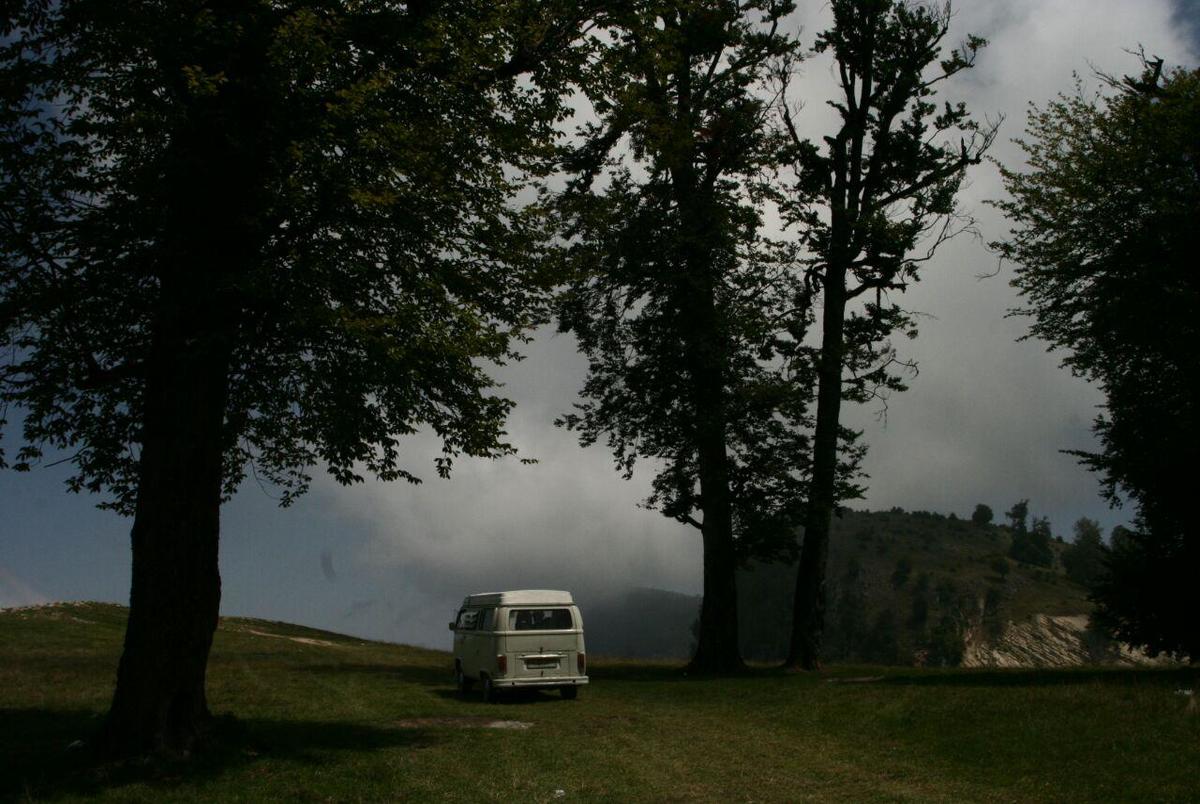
<point>1105,240</point>
<point>1084,558</point>
<point>1030,546</point>
<point>1018,516</point>
<point>678,301</point>
<point>881,184</point>
<point>982,515</point>
<point>267,234</point>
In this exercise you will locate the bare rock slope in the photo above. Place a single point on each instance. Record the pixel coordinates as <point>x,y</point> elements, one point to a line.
<point>1052,641</point>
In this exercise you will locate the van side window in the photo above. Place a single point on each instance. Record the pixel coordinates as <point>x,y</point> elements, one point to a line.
<point>485,619</point>
<point>467,619</point>
<point>539,620</point>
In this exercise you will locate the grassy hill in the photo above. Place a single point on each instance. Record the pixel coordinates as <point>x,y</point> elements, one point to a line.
<point>324,717</point>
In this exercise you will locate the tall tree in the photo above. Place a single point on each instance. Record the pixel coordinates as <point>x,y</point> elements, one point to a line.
<point>1031,545</point>
<point>1084,559</point>
<point>1018,517</point>
<point>269,234</point>
<point>1105,240</point>
<point>883,185</point>
<point>678,300</point>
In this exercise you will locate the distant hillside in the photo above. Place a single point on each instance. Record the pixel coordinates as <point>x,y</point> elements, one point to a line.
<point>904,588</point>
<point>641,623</point>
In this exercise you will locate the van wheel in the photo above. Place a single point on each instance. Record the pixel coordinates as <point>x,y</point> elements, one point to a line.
<point>461,681</point>
<point>489,691</point>
<point>570,693</point>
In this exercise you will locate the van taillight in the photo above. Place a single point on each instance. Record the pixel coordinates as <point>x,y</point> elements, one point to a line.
<point>501,664</point>
<point>582,664</point>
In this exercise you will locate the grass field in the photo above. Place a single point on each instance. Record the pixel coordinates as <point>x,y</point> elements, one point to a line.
<point>323,717</point>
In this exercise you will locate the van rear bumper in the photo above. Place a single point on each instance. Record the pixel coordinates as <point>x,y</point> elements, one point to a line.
<point>555,681</point>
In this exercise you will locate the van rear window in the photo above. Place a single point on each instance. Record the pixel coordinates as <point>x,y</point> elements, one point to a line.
<point>539,619</point>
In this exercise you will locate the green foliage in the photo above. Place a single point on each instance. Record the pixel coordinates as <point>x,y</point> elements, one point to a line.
<point>885,179</point>
<point>1018,516</point>
<point>946,643</point>
<point>1105,241</point>
<point>1033,546</point>
<point>901,573</point>
<point>1084,558</point>
<point>319,194</point>
<point>676,297</point>
<point>982,515</point>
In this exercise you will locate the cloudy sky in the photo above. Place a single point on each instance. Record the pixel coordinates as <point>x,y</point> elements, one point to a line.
<point>983,422</point>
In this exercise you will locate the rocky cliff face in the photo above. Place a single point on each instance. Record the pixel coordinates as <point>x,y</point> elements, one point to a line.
<point>1046,641</point>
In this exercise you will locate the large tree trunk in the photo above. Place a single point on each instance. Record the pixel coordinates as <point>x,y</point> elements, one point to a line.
<point>808,611</point>
<point>212,233</point>
<point>159,704</point>
<point>717,648</point>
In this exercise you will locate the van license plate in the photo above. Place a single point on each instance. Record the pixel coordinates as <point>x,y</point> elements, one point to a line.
<point>541,664</point>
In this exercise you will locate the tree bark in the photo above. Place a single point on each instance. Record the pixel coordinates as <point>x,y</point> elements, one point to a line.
<point>210,238</point>
<point>160,703</point>
<point>717,648</point>
<point>808,610</point>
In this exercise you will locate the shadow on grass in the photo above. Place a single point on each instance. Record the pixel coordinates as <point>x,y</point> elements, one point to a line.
<point>410,674</point>
<point>1117,677</point>
<point>508,697</point>
<point>36,763</point>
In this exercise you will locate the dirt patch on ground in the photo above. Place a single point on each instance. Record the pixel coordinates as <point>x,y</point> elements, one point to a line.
<point>460,723</point>
<point>855,680</point>
<point>301,640</point>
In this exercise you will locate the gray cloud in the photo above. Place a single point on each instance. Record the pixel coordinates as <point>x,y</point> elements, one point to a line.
<point>983,422</point>
<point>327,565</point>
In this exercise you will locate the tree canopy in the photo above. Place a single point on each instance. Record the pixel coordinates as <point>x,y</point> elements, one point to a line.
<point>678,300</point>
<point>275,235</point>
<point>870,205</point>
<point>1084,558</point>
<point>982,515</point>
<point>1105,241</point>
<point>358,163</point>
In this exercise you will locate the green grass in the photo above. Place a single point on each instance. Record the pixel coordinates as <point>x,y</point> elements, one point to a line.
<point>326,722</point>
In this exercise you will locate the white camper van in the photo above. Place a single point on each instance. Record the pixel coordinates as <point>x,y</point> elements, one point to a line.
<point>531,638</point>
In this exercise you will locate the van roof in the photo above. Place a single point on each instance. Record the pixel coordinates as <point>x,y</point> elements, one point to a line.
<point>520,597</point>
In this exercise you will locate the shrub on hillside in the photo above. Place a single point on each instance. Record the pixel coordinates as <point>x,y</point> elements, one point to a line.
<point>1084,558</point>
<point>1033,546</point>
<point>946,643</point>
